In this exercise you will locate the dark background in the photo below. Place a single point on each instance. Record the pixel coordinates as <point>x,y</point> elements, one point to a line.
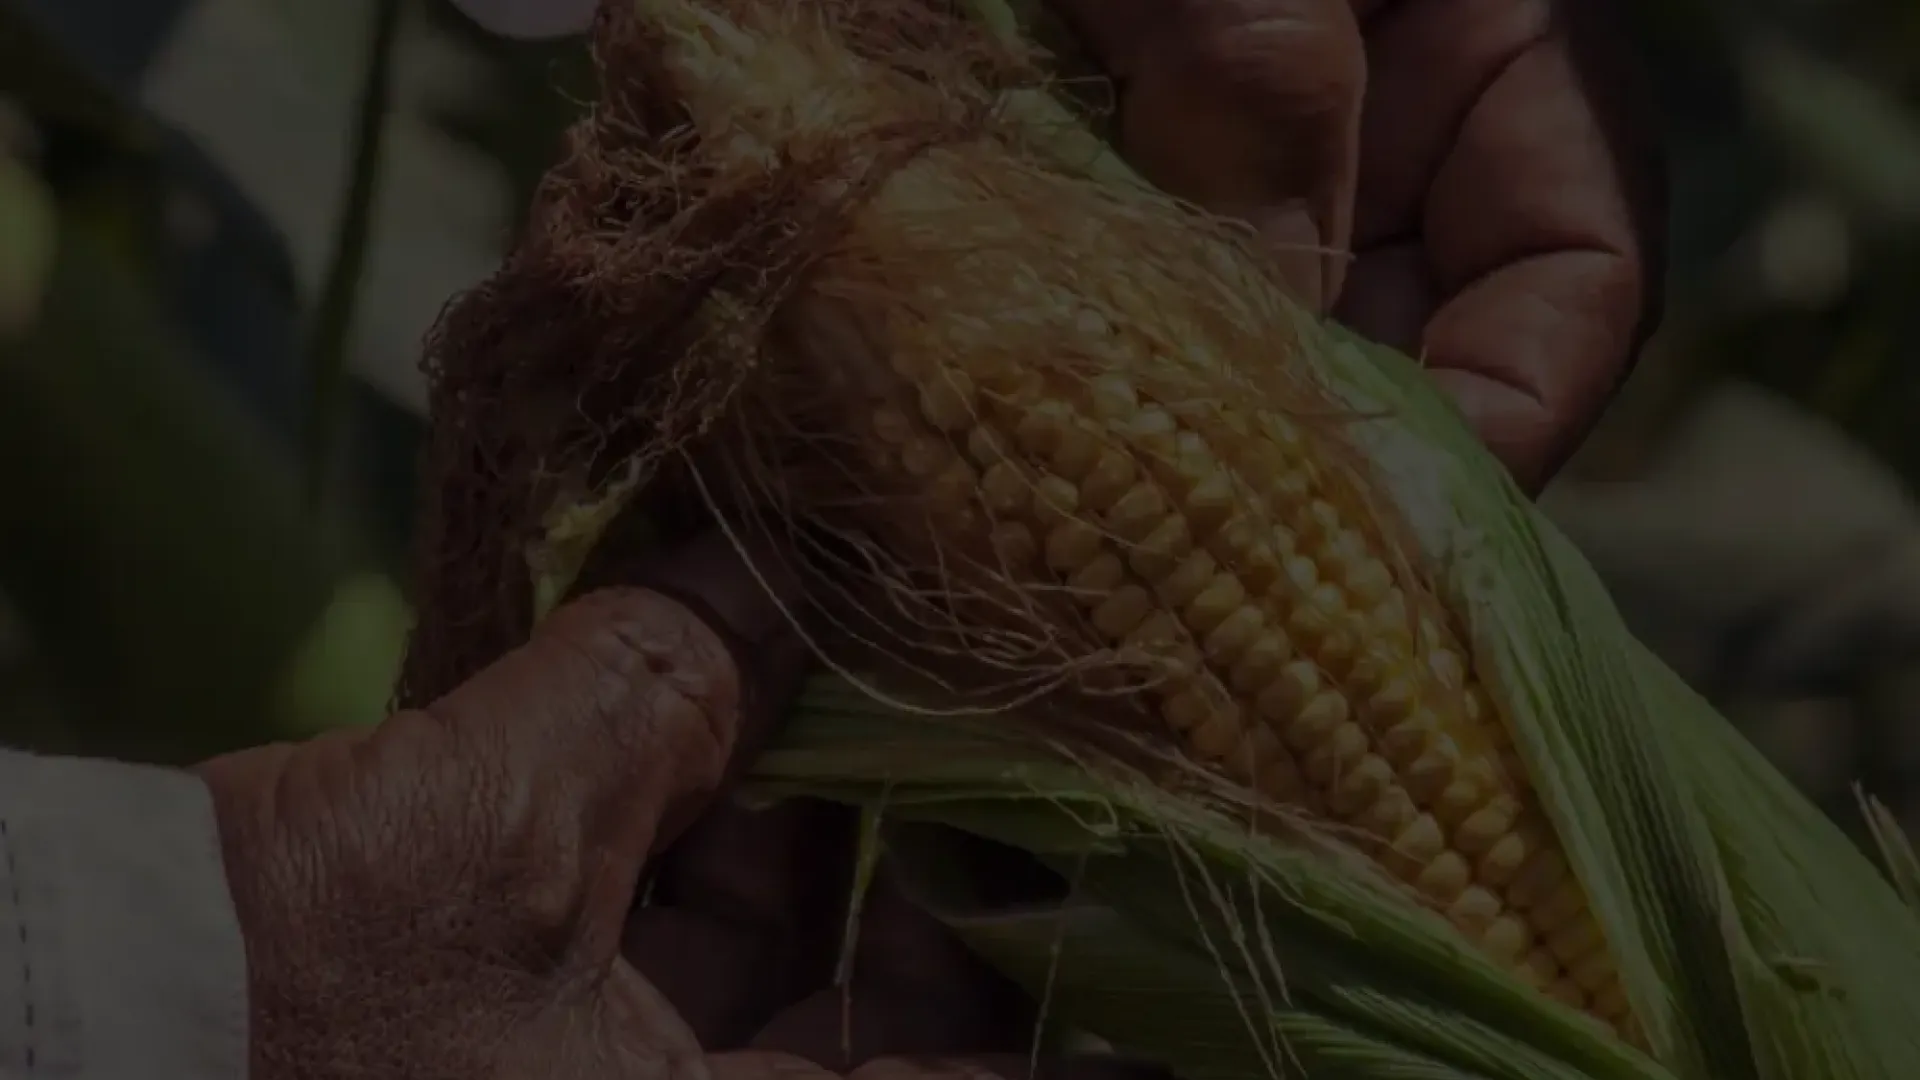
<point>202,266</point>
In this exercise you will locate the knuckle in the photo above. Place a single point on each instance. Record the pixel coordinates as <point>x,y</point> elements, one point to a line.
<point>621,634</point>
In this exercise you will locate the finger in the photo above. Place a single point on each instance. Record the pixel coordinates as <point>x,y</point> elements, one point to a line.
<point>1428,64</point>
<point>745,916</point>
<point>572,759</point>
<point>916,990</point>
<point>1249,108</point>
<point>1390,295</point>
<point>1510,124</point>
<point>530,19</point>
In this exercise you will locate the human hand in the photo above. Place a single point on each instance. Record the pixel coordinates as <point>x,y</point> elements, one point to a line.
<point>1480,158</point>
<point>453,892</point>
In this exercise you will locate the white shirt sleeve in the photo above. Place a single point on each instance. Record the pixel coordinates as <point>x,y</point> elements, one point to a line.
<point>120,955</point>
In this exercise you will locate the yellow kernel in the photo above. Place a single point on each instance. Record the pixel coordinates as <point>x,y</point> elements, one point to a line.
<point>1187,709</point>
<point>1004,489</point>
<point>1459,800</point>
<point>1430,773</point>
<point>1505,939</point>
<point>1288,695</point>
<point>1594,972</point>
<point>1073,545</point>
<point>1080,454</point>
<point>1158,552</point>
<point>1137,513</point>
<point>1360,787</point>
<point>1337,754</point>
<point>1235,634</point>
<point>892,425</point>
<point>1568,901</point>
<point>1445,878</point>
<point>1575,940</point>
<point>1042,429</point>
<point>1106,476</point>
<point>1114,397</point>
<point>1054,501</point>
<point>1565,992</point>
<point>1218,735</point>
<point>1388,622</point>
<point>1370,582</point>
<point>1485,826</point>
<point>1474,909</point>
<point>953,489</point>
<point>1184,585</point>
<point>924,456</point>
<point>946,401</point>
<point>1538,879</point>
<point>1014,543</point>
<point>1291,488</point>
<point>1315,723</point>
<point>1259,662</point>
<point>1323,519</point>
<point>1539,969</point>
<point>1153,428</point>
<point>1420,841</point>
<point>1103,573</point>
<point>1258,565</point>
<point>1210,501</point>
<point>1497,867</point>
<point>1408,741</point>
<point>985,446</point>
<point>1447,668</point>
<point>1122,610</point>
<point>1301,574</point>
<point>1390,814</point>
<point>1219,599</point>
<point>1392,703</point>
<point>1610,1002</point>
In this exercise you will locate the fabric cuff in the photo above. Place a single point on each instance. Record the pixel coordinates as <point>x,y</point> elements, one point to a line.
<point>120,953</point>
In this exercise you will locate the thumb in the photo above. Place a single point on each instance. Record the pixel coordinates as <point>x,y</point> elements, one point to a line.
<point>592,746</point>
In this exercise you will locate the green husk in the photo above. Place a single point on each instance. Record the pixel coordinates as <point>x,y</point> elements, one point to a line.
<point>1754,940</point>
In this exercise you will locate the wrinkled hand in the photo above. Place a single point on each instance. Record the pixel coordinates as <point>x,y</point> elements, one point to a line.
<point>454,892</point>
<point>1478,158</point>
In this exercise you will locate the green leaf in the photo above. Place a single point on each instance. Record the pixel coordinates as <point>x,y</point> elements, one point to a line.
<point>1896,850</point>
<point>1241,906</point>
<point>150,531</point>
<point>28,236</point>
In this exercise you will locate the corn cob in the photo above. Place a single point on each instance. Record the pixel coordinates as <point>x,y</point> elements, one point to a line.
<point>1200,532</point>
<point>1208,547</point>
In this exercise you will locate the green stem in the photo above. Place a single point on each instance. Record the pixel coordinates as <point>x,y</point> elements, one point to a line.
<point>333,316</point>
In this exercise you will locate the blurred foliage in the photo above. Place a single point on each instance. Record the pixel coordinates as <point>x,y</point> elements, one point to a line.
<point>165,592</point>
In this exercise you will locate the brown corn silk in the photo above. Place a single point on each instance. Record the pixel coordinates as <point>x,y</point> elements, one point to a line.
<point>1039,444</point>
